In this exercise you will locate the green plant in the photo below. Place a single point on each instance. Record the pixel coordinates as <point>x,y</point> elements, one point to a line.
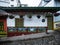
<point>11,17</point>
<point>30,16</point>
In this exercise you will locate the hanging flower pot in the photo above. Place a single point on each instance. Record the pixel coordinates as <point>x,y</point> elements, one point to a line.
<point>30,16</point>
<point>11,16</point>
<point>21,16</point>
<point>56,14</point>
<point>38,16</point>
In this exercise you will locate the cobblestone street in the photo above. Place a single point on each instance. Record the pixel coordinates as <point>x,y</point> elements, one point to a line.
<point>46,39</point>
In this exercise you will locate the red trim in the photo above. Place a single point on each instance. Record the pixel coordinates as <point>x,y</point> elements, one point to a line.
<point>10,34</point>
<point>5,24</point>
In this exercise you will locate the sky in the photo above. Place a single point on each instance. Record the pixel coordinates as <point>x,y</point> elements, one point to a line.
<point>31,2</point>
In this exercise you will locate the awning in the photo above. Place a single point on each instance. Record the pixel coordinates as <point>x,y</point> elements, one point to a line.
<point>2,12</point>
<point>30,9</point>
<point>19,10</point>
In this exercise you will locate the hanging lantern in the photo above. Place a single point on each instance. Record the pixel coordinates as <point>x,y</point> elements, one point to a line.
<point>38,16</point>
<point>11,16</point>
<point>21,16</point>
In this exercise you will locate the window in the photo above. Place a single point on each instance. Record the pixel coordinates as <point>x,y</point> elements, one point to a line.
<point>31,29</point>
<point>18,1</point>
<point>21,29</point>
<point>12,0</point>
<point>47,0</point>
<point>41,29</point>
<point>12,5</point>
<point>12,29</point>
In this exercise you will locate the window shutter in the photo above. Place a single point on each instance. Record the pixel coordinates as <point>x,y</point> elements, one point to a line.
<point>19,22</point>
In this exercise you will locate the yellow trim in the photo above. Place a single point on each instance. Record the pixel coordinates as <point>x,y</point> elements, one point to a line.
<point>3,32</point>
<point>53,25</point>
<point>57,28</point>
<point>3,35</point>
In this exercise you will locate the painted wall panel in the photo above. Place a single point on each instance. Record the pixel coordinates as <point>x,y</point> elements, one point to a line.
<point>11,22</point>
<point>35,22</point>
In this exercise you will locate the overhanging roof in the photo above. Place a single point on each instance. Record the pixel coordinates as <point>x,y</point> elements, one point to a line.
<point>30,9</point>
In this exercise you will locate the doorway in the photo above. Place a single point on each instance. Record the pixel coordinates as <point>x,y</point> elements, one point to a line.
<point>1,26</point>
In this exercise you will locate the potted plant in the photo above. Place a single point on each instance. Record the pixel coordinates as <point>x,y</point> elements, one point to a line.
<point>11,16</point>
<point>30,16</point>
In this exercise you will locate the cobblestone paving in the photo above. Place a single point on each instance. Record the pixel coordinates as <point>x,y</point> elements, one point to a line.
<point>57,36</point>
<point>53,39</point>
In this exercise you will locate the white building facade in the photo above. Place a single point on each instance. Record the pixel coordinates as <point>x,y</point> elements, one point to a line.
<point>29,22</point>
<point>52,3</point>
<point>49,3</point>
<point>9,3</point>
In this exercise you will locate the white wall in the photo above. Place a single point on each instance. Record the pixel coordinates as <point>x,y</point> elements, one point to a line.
<point>8,3</point>
<point>56,18</point>
<point>50,4</point>
<point>11,22</point>
<point>33,22</point>
<point>4,3</point>
<point>57,3</point>
<point>13,3</point>
<point>53,3</point>
<point>56,21</point>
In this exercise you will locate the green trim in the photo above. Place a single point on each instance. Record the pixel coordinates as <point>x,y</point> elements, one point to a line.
<point>50,23</point>
<point>45,8</point>
<point>48,9</point>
